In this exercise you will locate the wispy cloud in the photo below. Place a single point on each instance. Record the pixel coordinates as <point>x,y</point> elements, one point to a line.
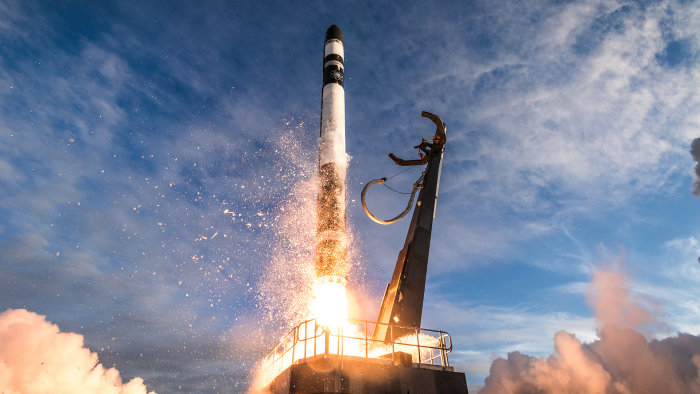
<point>572,115</point>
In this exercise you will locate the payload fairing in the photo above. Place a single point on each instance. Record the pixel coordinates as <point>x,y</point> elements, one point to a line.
<point>331,236</point>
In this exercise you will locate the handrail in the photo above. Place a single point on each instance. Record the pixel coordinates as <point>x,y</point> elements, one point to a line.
<point>349,342</point>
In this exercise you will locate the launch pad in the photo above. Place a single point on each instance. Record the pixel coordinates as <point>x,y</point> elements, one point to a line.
<point>316,359</point>
<point>367,376</point>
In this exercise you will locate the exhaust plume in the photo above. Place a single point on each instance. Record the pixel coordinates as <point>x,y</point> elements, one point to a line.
<point>36,357</point>
<point>695,152</point>
<point>621,361</point>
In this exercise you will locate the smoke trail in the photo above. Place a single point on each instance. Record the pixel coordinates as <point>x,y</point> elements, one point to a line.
<point>36,357</point>
<point>621,361</point>
<point>695,152</point>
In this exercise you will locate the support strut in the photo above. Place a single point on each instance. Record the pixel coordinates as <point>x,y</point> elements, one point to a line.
<point>402,304</point>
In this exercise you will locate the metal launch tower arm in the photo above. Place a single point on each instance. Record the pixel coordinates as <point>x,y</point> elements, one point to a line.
<point>402,305</point>
<point>427,148</point>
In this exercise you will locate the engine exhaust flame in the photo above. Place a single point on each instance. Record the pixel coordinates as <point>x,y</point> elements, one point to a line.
<point>330,302</point>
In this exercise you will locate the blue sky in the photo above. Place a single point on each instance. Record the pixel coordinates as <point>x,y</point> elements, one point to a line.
<point>132,132</point>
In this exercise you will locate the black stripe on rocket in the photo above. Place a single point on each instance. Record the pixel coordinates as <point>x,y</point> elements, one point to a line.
<point>333,69</point>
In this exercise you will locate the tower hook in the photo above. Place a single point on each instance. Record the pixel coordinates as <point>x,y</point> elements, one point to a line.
<point>416,186</point>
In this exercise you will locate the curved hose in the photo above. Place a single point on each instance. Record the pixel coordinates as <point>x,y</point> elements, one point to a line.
<point>416,187</point>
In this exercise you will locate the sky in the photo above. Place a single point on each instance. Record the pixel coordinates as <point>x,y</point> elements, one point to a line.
<point>157,163</point>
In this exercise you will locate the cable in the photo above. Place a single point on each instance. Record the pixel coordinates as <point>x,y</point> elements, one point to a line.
<point>416,186</point>
<point>398,173</point>
<point>394,190</point>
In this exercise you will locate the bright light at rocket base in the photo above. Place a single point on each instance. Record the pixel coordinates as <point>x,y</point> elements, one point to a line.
<point>329,305</point>
<point>329,331</point>
<point>326,326</point>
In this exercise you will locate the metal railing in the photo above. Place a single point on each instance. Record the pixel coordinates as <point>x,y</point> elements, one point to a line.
<point>427,348</point>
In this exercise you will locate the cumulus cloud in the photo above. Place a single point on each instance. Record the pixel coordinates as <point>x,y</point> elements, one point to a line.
<point>622,360</point>
<point>36,357</point>
<point>695,152</point>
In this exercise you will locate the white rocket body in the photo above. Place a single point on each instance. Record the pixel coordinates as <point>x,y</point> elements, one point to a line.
<point>332,141</point>
<point>331,240</point>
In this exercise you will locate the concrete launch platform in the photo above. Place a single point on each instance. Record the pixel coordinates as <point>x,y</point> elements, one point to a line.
<point>358,375</point>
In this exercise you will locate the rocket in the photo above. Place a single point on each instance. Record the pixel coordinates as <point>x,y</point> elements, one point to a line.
<point>331,236</point>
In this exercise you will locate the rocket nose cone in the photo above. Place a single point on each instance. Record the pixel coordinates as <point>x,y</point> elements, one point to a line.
<point>334,33</point>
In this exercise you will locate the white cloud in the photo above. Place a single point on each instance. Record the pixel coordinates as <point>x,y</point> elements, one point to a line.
<point>38,358</point>
<point>622,360</point>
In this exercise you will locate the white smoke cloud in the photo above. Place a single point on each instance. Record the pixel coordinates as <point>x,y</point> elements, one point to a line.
<point>36,357</point>
<point>621,361</point>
